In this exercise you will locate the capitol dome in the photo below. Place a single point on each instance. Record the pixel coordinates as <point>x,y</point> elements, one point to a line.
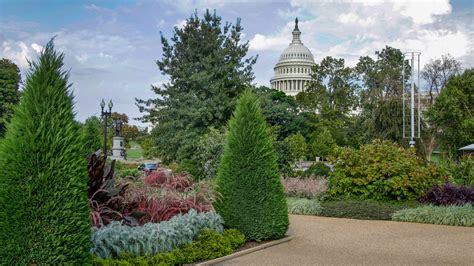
<point>292,72</point>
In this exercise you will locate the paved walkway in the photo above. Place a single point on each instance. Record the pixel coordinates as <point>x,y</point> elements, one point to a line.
<point>337,241</point>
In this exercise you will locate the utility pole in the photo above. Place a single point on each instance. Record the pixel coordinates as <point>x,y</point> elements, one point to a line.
<point>415,56</point>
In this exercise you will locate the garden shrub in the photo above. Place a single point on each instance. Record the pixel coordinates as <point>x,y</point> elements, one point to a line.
<point>162,179</point>
<point>462,172</point>
<point>381,171</point>
<point>251,198</point>
<point>165,207</point>
<point>44,212</point>
<point>133,172</point>
<point>317,169</point>
<point>304,187</point>
<point>446,215</point>
<point>152,238</point>
<point>208,245</point>
<point>303,206</point>
<point>365,210</point>
<point>449,194</point>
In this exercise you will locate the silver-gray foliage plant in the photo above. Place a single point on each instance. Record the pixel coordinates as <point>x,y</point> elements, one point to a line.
<point>152,238</point>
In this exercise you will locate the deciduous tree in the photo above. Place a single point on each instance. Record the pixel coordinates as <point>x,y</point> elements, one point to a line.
<point>9,91</point>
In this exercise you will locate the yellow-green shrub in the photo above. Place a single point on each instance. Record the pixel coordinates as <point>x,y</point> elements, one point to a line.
<point>381,171</point>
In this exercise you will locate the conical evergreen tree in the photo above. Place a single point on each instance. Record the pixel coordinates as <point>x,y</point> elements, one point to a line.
<point>252,197</point>
<point>44,213</point>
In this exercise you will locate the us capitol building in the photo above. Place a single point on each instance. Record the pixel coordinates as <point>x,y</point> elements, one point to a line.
<point>292,72</point>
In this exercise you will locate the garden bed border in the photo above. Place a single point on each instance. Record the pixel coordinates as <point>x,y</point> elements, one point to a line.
<point>245,251</point>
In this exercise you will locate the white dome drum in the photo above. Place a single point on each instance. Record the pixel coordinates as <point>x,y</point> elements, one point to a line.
<point>292,72</point>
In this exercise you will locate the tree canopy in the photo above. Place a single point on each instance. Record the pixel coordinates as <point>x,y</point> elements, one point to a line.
<point>207,68</point>
<point>453,112</point>
<point>9,91</point>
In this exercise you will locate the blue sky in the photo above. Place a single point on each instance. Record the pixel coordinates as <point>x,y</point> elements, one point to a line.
<point>111,46</point>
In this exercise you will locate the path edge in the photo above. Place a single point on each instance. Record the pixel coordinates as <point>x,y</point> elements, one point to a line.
<point>246,251</point>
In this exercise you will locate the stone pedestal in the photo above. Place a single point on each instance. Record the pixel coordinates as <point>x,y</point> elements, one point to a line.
<point>118,148</point>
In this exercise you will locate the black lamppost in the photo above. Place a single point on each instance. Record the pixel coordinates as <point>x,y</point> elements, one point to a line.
<point>104,115</point>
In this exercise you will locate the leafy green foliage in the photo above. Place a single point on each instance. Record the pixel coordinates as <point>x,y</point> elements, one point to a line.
<point>303,206</point>
<point>284,157</point>
<point>298,147</point>
<point>9,91</point>
<point>452,113</point>
<point>330,97</point>
<point>152,238</point>
<point>133,172</point>
<point>381,171</point>
<point>446,215</point>
<point>208,245</point>
<point>44,215</point>
<point>93,134</point>
<point>281,112</point>
<point>207,70</point>
<point>150,151</point>
<point>362,209</point>
<point>381,94</point>
<point>322,144</point>
<point>461,172</point>
<point>252,197</point>
<point>318,169</point>
<point>209,151</point>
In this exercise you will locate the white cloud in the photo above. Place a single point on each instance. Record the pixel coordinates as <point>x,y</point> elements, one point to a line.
<point>351,18</point>
<point>180,23</point>
<point>350,29</point>
<point>18,52</point>
<point>422,11</point>
<point>36,47</point>
<point>260,42</point>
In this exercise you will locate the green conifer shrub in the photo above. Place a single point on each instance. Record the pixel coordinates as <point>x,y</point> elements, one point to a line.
<point>252,197</point>
<point>44,212</point>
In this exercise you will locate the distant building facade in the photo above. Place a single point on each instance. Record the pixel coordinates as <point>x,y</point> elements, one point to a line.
<point>292,72</point>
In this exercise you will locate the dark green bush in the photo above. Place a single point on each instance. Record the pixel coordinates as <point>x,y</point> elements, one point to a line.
<point>44,212</point>
<point>317,169</point>
<point>208,245</point>
<point>381,171</point>
<point>365,210</point>
<point>252,196</point>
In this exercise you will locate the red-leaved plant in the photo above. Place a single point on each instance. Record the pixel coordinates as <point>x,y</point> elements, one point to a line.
<point>160,209</point>
<point>163,179</point>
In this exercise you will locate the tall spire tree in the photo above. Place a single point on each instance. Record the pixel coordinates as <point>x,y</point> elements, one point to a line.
<point>208,69</point>
<point>44,212</point>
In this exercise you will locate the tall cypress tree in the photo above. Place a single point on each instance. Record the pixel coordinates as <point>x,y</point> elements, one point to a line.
<point>252,198</point>
<point>44,213</point>
<point>208,69</point>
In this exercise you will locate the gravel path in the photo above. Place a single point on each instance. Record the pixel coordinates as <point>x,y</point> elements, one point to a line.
<point>338,241</point>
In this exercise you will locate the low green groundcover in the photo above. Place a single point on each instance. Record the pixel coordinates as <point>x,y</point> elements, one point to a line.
<point>303,206</point>
<point>208,245</point>
<point>446,215</point>
<point>363,209</point>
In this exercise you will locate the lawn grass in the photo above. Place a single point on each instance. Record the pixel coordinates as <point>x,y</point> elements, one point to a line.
<point>135,152</point>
